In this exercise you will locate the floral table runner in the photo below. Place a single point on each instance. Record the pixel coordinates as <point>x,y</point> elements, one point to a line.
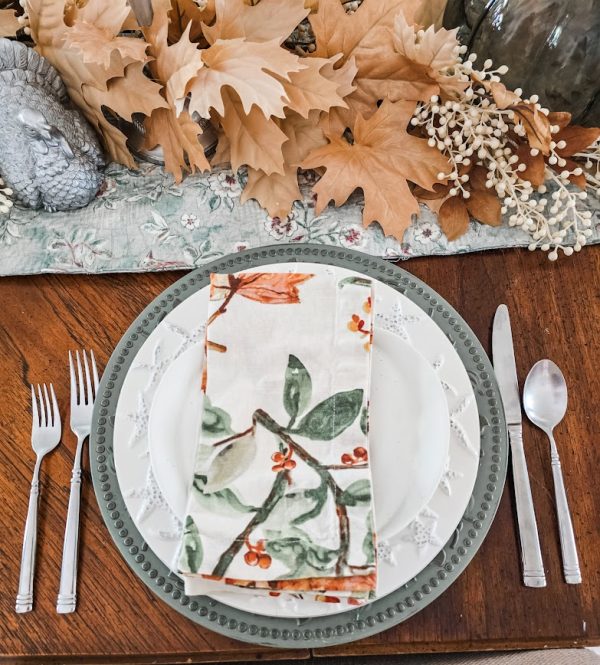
<point>142,221</point>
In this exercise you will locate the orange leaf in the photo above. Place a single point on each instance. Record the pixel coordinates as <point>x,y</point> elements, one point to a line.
<point>560,118</point>
<point>263,22</point>
<point>8,23</point>
<point>477,178</point>
<point>536,166</point>
<point>577,180</point>
<point>485,207</point>
<point>454,218</point>
<point>577,139</point>
<point>503,97</point>
<point>265,287</point>
<point>381,160</point>
<point>536,125</point>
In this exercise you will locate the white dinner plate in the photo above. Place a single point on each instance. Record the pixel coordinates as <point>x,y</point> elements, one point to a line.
<point>409,431</point>
<point>400,556</point>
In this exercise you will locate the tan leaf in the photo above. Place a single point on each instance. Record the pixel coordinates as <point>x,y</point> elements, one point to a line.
<point>432,199</point>
<point>381,160</point>
<point>560,118</point>
<point>249,69</point>
<point>536,125</point>
<point>254,140</point>
<point>485,207</point>
<point>186,13</point>
<point>577,139</point>
<point>223,152</point>
<point>132,93</point>
<point>431,12</point>
<point>503,98</point>
<point>96,44</point>
<point>454,218</point>
<point>535,166</point>
<point>477,177</point>
<point>309,90</point>
<point>437,50</point>
<point>8,23</point>
<point>173,65</point>
<point>577,180</point>
<point>264,22</point>
<point>277,192</point>
<point>343,75</point>
<point>178,136</point>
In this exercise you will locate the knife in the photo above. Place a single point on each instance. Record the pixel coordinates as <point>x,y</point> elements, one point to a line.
<point>506,372</point>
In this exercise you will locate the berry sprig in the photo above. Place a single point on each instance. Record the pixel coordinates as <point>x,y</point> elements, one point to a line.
<point>283,461</point>
<point>359,456</point>
<point>256,555</point>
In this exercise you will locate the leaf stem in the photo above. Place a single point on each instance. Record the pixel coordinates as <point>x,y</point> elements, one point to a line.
<point>233,437</point>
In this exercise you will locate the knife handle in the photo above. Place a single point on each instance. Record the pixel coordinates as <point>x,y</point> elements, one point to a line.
<point>531,553</point>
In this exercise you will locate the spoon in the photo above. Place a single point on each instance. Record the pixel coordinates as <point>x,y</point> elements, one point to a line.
<point>545,402</point>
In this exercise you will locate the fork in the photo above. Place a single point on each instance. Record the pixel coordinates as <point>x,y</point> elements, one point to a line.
<point>45,436</point>
<point>82,406</point>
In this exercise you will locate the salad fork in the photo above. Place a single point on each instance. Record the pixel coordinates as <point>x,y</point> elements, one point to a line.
<point>82,406</point>
<point>45,436</point>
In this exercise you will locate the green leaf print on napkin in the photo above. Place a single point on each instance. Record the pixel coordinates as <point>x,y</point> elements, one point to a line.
<point>301,556</point>
<point>368,545</point>
<point>231,462</point>
<point>297,389</point>
<point>191,553</point>
<point>223,502</point>
<point>332,416</point>
<point>358,493</point>
<point>215,421</point>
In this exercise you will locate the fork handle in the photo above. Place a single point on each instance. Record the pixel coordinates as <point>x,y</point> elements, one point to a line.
<point>25,593</point>
<point>67,593</point>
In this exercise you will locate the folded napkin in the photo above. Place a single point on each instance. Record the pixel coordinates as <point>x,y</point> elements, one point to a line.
<point>281,498</point>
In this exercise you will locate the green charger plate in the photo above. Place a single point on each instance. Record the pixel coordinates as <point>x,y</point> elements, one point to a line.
<point>355,623</point>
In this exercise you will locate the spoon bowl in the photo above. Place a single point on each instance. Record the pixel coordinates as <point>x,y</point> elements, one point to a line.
<point>545,395</point>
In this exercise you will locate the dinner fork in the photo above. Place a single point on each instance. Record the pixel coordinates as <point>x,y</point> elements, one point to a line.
<point>82,406</point>
<point>45,436</point>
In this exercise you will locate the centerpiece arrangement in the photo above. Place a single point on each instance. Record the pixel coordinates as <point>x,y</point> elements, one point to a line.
<point>372,96</point>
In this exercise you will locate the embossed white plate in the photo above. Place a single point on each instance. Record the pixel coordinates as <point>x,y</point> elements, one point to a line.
<point>402,556</point>
<point>409,434</point>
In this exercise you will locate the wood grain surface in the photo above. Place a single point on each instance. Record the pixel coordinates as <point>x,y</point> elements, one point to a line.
<point>555,310</point>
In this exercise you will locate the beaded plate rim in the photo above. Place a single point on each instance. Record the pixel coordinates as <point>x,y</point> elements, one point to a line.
<point>355,623</point>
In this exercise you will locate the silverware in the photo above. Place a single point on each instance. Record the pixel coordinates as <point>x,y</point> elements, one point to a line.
<point>506,373</point>
<point>82,406</point>
<point>45,436</point>
<point>545,402</point>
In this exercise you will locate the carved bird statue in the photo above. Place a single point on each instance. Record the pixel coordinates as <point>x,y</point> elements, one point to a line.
<point>49,155</point>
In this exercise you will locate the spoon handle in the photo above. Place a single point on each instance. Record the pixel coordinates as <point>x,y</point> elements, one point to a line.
<point>565,526</point>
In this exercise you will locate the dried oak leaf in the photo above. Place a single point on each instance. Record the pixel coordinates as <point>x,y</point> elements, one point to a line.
<point>8,23</point>
<point>277,192</point>
<point>90,85</point>
<point>95,30</point>
<point>252,69</point>
<point>173,66</point>
<point>268,20</point>
<point>381,161</point>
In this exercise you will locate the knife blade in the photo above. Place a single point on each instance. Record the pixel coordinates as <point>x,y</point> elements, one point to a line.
<point>505,367</point>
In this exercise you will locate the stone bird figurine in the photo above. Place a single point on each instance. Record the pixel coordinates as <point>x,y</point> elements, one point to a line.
<point>49,155</point>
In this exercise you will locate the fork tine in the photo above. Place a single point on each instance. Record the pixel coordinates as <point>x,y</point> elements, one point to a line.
<point>55,411</point>
<point>43,416</point>
<point>88,379</point>
<point>47,407</point>
<point>95,372</point>
<point>80,379</point>
<point>35,416</point>
<point>73,382</point>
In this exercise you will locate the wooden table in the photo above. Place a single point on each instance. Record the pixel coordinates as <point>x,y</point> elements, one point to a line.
<point>556,314</point>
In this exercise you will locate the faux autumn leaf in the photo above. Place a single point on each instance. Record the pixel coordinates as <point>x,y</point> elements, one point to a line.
<point>186,13</point>
<point>263,22</point>
<point>485,207</point>
<point>453,217</point>
<point>381,160</point>
<point>8,23</point>
<point>90,85</point>
<point>253,139</point>
<point>95,33</point>
<point>308,89</point>
<point>431,12</point>
<point>277,192</point>
<point>365,36</point>
<point>577,139</point>
<point>173,66</point>
<point>252,69</point>
<point>536,125</point>
<point>535,166</point>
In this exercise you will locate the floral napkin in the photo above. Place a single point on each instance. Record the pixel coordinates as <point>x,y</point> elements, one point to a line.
<point>281,498</point>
